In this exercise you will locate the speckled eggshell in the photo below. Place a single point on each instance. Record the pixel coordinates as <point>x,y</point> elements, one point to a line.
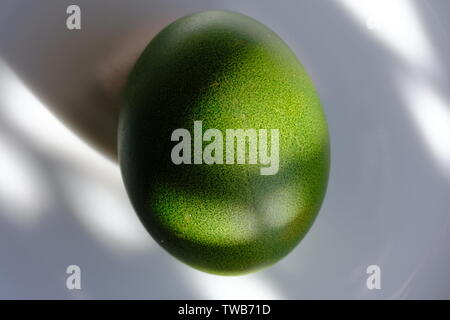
<point>230,72</point>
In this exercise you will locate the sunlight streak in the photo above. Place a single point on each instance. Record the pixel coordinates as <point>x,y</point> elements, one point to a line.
<point>431,114</point>
<point>21,109</point>
<point>24,193</point>
<point>249,287</point>
<point>106,213</point>
<point>396,24</point>
<point>93,183</point>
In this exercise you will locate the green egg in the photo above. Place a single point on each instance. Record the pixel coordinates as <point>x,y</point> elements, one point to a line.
<point>198,148</point>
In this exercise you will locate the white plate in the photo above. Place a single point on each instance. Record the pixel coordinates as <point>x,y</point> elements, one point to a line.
<point>382,71</point>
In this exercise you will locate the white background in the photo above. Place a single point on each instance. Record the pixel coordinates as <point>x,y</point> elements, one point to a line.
<point>382,71</point>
